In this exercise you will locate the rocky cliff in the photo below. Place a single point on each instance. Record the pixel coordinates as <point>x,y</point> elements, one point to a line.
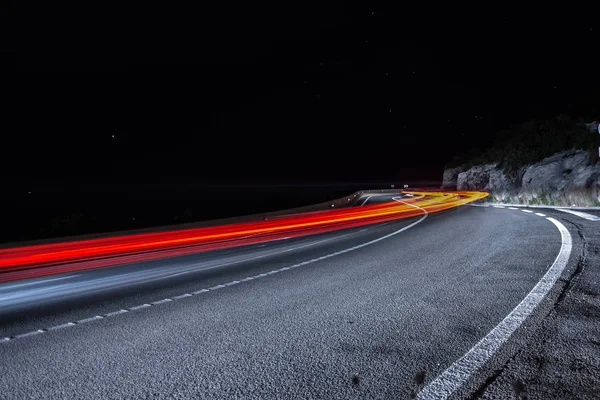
<point>566,178</point>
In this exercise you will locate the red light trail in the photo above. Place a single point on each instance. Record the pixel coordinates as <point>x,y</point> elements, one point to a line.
<point>46,259</point>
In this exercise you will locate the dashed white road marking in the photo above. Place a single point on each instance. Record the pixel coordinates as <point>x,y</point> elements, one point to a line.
<point>36,332</point>
<point>224,285</point>
<point>192,270</point>
<point>68,324</point>
<point>112,314</point>
<point>134,308</point>
<point>457,374</point>
<point>547,206</point>
<point>83,321</point>
<point>154,303</point>
<point>216,287</point>
<point>527,211</point>
<point>580,214</point>
<point>182,296</point>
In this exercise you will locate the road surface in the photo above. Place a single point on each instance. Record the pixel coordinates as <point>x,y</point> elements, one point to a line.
<point>355,313</point>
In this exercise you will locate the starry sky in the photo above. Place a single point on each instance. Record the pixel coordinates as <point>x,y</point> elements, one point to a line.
<point>305,92</point>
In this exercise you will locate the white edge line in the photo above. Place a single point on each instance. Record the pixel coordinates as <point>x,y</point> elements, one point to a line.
<point>580,214</point>
<point>457,374</point>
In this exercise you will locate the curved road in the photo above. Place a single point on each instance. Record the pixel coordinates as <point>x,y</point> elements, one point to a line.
<point>349,314</point>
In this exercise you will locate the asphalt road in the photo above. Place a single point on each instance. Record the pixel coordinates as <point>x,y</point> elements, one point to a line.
<point>349,314</point>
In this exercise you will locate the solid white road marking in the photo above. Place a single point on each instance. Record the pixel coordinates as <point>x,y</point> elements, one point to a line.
<point>367,199</point>
<point>181,273</point>
<point>373,195</point>
<point>580,214</point>
<point>337,253</point>
<point>2,287</point>
<point>457,374</point>
<point>408,204</point>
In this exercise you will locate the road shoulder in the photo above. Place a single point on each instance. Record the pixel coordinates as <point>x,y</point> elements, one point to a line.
<point>563,359</point>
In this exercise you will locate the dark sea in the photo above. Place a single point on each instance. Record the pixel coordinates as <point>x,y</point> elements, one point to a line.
<point>56,211</point>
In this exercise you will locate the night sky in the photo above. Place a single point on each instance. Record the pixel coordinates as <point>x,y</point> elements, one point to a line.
<point>289,93</point>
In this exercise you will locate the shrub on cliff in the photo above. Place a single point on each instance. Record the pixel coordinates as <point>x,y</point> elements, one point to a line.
<point>532,141</point>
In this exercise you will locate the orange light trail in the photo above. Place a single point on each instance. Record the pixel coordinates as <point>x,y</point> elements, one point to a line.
<point>45,259</point>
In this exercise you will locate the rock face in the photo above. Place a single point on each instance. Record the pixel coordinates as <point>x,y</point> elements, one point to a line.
<point>566,178</point>
<point>475,178</point>
<point>593,126</point>
<point>502,187</point>
<point>451,178</point>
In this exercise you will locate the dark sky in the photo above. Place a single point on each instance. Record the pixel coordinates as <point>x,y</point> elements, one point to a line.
<point>288,91</point>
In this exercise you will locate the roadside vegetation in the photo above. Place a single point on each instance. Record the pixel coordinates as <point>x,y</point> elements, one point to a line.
<point>579,198</point>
